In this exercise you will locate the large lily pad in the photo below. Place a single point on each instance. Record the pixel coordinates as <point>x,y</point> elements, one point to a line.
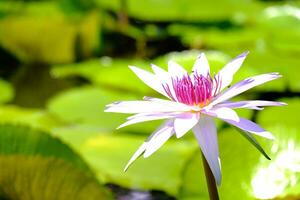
<point>108,154</point>
<point>7,91</point>
<point>20,140</point>
<point>190,10</point>
<point>27,116</point>
<point>85,106</point>
<point>24,36</point>
<point>38,178</point>
<point>286,115</point>
<point>27,155</point>
<point>108,72</point>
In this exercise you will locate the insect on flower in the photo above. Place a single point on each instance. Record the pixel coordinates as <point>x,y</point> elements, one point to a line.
<point>193,101</point>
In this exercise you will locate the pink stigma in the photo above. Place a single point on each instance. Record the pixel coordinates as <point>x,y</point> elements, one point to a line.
<point>198,90</point>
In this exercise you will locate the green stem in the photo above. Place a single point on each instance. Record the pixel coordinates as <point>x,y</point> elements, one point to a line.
<point>210,180</point>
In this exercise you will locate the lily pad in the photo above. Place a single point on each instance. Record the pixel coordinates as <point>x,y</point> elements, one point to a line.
<point>190,10</point>
<point>26,116</point>
<point>108,154</point>
<point>26,155</point>
<point>32,45</point>
<point>85,106</point>
<point>49,178</point>
<point>286,115</point>
<point>22,140</point>
<point>7,91</point>
<point>107,72</point>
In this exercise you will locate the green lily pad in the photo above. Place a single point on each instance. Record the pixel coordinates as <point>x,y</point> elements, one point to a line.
<point>107,72</point>
<point>27,155</point>
<point>85,106</point>
<point>286,115</point>
<point>190,10</point>
<point>26,116</point>
<point>22,177</point>
<point>108,154</point>
<point>32,45</point>
<point>7,91</point>
<point>21,140</point>
<point>42,8</point>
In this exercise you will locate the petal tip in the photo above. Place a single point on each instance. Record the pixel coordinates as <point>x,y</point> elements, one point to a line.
<point>132,67</point>
<point>270,136</point>
<point>200,55</point>
<point>282,104</point>
<point>245,53</point>
<point>126,167</point>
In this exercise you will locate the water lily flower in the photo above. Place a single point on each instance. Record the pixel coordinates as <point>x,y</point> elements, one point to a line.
<point>193,101</point>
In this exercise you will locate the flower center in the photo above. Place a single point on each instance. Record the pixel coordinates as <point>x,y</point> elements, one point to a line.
<point>196,90</point>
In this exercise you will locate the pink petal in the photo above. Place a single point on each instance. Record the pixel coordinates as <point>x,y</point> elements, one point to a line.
<point>227,72</point>
<point>206,135</point>
<point>149,79</point>
<point>146,106</point>
<point>244,85</point>
<point>184,122</point>
<point>201,65</point>
<point>255,104</point>
<point>161,135</point>
<point>251,127</point>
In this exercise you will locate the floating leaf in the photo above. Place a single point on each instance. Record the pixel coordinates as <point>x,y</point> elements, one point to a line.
<point>190,10</point>
<point>286,115</point>
<point>24,36</point>
<point>37,177</point>
<point>27,116</point>
<point>108,154</point>
<point>27,155</point>
<point>7,91</point>
<point>20,140</point>
<point>106,72</point>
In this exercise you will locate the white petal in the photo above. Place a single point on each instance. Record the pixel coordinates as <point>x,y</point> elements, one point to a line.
<point>223,113</point>
<point>251,127</point>
<point>255,104</point>
<point>146,117</point>
<point>227,72</point>
<point>206,135</point>
<point>175,69</point>
<point>146,106</point>
<point>149,79</point>
<point>244,85</point>
<point>201,65</point>
<point>140,150</point>
<point>161,73</point>
<point>184,122</point>
<point>161,135</point>
<point>165,79</point>
<point>158,136</point>
<point>182,106</point>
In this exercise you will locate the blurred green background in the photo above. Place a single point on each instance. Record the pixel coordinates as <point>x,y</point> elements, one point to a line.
<point>62,61</point>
